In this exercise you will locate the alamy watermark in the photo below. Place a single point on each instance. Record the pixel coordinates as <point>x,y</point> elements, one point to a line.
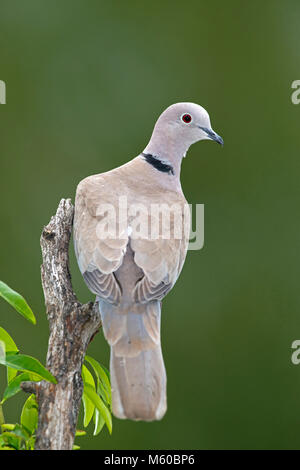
<point>295,357</point>
<point>2,92</point>
<point>295,97</point>
<point>154,221</point>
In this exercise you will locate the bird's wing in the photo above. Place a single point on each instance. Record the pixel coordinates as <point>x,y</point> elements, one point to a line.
<point>162,259</point>
<point>98,256</point>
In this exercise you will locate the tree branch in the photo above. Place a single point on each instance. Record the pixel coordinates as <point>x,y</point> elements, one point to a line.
<point>72,325</point>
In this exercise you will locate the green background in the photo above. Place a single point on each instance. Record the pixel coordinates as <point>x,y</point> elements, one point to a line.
<point>86,81</point>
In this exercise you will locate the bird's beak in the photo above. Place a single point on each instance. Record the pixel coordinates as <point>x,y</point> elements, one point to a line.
<point>212,135</point>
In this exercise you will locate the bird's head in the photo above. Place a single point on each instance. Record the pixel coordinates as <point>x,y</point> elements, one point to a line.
<point>187,123</point>
<point>176,129</point>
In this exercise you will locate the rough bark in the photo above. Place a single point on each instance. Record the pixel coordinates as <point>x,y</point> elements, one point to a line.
<point>72,326</point>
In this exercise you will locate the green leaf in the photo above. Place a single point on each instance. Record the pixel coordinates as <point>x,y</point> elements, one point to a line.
<point>17,301</point>
<point>103,389</point>
<point>21,431</point>
<point>98,418</point>
<point>11,373</point>
<point>27,364</point>
<point>88,405</point>
<point>30,443</point>
<point>107,372</point>
<point>14,385</point>
<point>7,344</point>
<point>99,422</point>
<point>80,433</point>
<point>29,415</point>
<point>99,404</point>
<point>10,439</point>
<point>10,345</point>
<point>101,375</point>
<point>8,427</point>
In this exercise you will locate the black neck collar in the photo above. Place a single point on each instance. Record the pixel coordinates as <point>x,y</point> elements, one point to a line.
<point>158,164</point>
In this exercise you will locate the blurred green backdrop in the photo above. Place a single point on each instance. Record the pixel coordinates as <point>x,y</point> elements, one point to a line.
<point>86,81</point>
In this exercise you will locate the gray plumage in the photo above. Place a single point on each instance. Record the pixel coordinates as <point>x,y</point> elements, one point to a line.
<point>129,275</point>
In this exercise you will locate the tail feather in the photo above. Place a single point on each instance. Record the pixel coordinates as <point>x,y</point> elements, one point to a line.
<point>138,375</point>
<point>139,385</point>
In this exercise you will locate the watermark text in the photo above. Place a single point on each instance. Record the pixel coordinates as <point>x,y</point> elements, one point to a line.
<point>151,222</point>
<point>295,97</point>
<point>2,92</point>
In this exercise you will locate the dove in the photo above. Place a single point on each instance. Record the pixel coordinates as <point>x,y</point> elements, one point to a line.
<point>131,233</point>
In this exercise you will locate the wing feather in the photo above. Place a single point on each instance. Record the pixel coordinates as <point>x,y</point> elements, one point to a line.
<point>160,259</point>
<point>98,257</point>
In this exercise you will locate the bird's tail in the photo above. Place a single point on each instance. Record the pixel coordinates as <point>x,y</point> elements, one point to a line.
<point>138,375</point>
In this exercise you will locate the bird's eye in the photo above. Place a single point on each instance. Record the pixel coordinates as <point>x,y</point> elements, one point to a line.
<point>186,118</point>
